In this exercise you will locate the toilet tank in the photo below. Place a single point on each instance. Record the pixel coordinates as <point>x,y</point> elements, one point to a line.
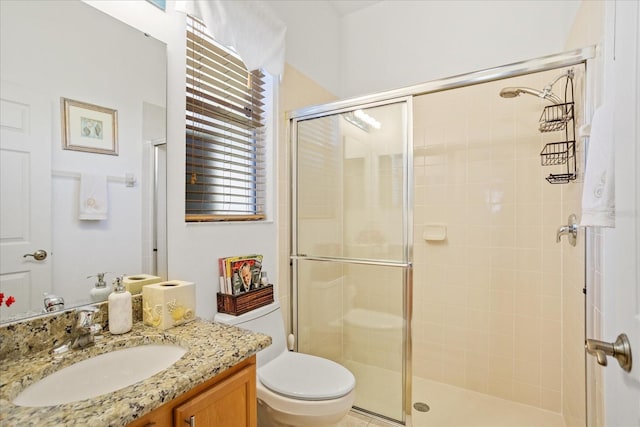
<point>267,320</point>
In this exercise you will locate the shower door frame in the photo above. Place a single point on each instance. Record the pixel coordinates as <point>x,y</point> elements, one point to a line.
<point>407,208</point>
<point>530,66</point>
<point>545,63</point>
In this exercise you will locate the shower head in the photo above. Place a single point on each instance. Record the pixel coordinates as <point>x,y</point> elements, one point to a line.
<point>545,93</point>
<point>512,92</point>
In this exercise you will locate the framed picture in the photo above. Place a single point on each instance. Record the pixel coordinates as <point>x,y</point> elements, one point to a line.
<point>161,4</point>
<point>88,127</point>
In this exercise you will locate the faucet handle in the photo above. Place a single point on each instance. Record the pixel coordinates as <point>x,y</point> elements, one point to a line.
<point>95,329</point>
<point>570,230</point>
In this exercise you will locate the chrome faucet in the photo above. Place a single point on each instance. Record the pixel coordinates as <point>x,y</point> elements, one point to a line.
<point>85,329</point>
<point>83,332</point>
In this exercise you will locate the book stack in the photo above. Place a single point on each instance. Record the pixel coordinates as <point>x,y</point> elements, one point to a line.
<point>241,287</point>
<point>240,274</point>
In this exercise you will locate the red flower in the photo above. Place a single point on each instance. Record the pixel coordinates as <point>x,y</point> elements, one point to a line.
<point>1,297</point>
<point>10,300</point>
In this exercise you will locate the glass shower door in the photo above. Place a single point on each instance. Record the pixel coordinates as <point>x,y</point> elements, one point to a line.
<point>350,248</point>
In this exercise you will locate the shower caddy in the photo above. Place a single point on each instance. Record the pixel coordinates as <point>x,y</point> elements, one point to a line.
<point>554,118</point>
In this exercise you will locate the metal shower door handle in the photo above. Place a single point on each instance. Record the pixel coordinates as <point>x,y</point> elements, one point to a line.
<point>620,349</point>
<point>39,255</point>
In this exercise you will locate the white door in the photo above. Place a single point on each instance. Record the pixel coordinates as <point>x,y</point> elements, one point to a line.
<point>25,198</point>
<point>621,288</point>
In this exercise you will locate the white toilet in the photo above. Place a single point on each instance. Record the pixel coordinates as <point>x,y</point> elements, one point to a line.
<point>294,389</point>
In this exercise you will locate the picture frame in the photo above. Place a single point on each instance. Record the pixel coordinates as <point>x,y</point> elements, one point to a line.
<point>160,4</point>
<point>89,128</point>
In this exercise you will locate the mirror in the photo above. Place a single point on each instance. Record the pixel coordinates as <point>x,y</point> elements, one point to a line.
<point>54,50</point>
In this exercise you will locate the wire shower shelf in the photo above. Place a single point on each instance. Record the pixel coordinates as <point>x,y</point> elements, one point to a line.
<point>560,117</point>
<point>557,153</point>
<point>555,117</point>
<point>561,178</point>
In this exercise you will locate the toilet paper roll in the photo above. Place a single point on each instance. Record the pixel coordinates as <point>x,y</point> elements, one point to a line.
<point>168,304</point>
<point>134,283</point>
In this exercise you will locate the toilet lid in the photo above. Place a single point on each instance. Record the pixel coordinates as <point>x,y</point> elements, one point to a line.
<point>305,377</point>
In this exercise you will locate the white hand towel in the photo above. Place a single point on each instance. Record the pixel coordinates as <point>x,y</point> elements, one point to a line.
<point>93,197</point>
<point>598,192</point>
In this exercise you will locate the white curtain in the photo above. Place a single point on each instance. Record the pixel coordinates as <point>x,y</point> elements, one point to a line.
<point>250,27</point>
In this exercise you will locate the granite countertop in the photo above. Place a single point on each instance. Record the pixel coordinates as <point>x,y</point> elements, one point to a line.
<point>211,349</point>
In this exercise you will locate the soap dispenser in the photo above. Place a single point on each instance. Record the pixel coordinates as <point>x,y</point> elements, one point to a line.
<point>120,309</point>
<point>100,292</point>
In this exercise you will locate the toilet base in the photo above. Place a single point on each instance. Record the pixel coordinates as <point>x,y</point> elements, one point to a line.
<point>267,417</point>
<point>275,410</point>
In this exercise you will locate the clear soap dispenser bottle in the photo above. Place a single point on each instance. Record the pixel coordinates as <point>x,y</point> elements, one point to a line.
<point>120,310</point>
<point>100,292</point>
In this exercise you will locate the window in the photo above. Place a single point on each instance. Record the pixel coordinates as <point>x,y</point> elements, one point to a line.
<point>225,133</point>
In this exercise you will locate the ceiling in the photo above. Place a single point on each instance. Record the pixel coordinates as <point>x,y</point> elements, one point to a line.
<point>344,7</point>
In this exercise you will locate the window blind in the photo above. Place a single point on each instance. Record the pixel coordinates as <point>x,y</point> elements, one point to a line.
<point>225,133</point>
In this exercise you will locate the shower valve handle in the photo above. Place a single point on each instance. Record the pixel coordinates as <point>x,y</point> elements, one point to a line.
<point>571,230</point>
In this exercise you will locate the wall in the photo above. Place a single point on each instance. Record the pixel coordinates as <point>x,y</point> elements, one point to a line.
<point>103,68</point>
<point>399,43</point>
<point>314,41</point>
<point>139,14</point>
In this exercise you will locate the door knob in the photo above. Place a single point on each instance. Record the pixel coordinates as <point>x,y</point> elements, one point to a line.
<point>620,349</point>
<point>39,255</point>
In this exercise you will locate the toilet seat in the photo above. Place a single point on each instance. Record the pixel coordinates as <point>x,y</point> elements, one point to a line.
<point>306,377</point>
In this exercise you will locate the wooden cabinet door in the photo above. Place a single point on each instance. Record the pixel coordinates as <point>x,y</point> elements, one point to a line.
<point>153,419</point>
<point>230,403</point>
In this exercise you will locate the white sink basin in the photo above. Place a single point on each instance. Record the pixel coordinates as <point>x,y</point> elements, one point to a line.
<point>101,374</point>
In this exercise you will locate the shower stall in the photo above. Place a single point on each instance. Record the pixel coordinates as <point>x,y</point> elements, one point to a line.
<point>424,245</point>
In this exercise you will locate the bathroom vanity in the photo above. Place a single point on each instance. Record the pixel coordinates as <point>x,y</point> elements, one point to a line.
<point>228,399</point>
<point>214,381</point>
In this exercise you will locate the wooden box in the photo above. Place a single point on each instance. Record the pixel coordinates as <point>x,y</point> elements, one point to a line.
<point>238,304</point>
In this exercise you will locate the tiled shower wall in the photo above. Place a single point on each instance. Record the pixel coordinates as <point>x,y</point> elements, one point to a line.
<point>488,298</point>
